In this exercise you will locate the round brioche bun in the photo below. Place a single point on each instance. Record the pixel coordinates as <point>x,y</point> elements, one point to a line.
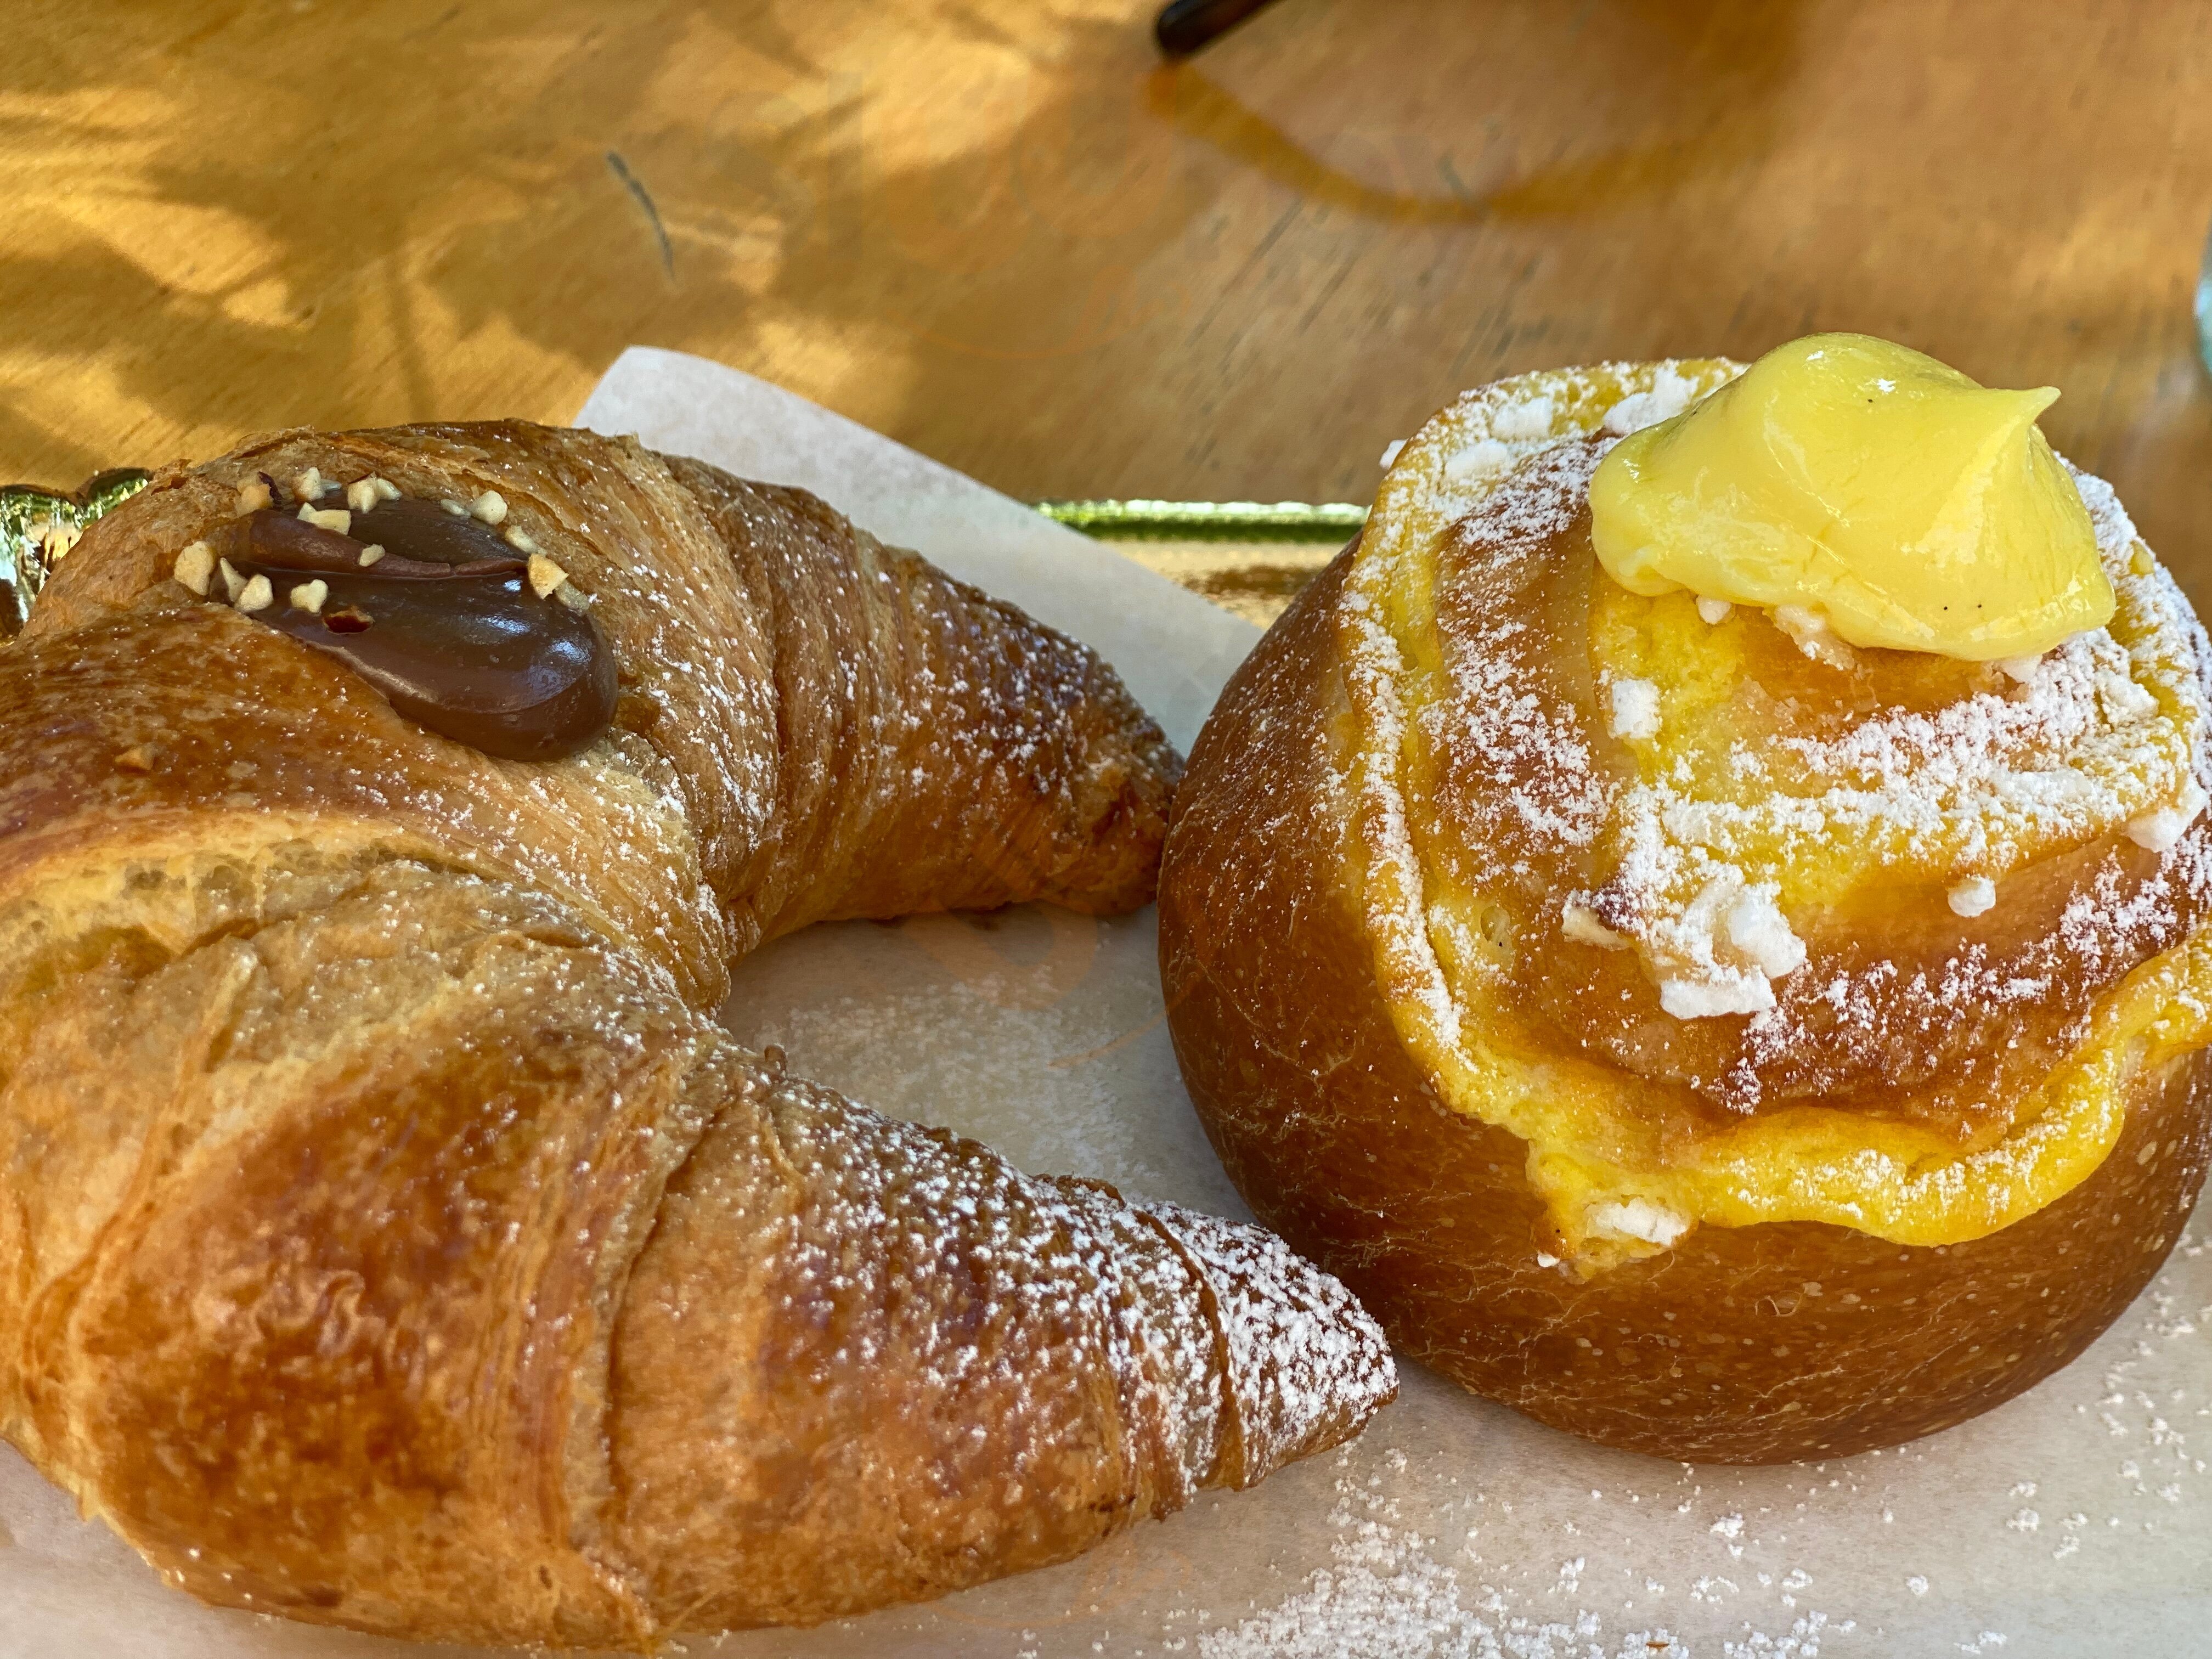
<point>2033,1161</point>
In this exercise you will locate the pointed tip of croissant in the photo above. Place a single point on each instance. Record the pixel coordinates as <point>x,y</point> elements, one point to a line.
<point>1306,1365</point>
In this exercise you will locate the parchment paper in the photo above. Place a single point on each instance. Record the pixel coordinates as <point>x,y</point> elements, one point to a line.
<point>2075,1521</point>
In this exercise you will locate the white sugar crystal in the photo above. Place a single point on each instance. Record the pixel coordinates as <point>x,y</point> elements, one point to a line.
<point>1635,1220</point>
<point>1810,629</point>
<point>1484,458</point>
<point>1718,955</point>
<point>2158,830</point>
<point>1579,922</point>
<point>1633,413</point>
<point>2124,701</point>
<point>1709,999</point>
<point>1757,927</point>
<point>1635,709</point>
<point>1669,397</point>
<point>1390,454</point>
<point>1972,897</point>
<point>1714,612</point>
<point>1522,421</point>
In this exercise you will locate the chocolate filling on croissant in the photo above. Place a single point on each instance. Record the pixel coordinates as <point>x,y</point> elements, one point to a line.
<point>443,623</point>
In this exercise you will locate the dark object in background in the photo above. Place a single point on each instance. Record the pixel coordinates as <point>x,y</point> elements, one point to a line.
<point>1184,26</point>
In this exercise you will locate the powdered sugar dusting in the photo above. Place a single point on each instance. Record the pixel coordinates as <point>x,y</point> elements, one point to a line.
<point>1511,794</point>
<point>1500,715</point>
<point>1303,1364</point>
<point>1372,668</point>
<point>1458,1531</point>
<point>1449,469</point>
<point>1384,1596</point>
<point>1670,394</point>
<point>2105,731</point>
<point>1635,709</point>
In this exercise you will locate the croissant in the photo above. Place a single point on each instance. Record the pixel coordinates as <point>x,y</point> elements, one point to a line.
<point>391,1238</point>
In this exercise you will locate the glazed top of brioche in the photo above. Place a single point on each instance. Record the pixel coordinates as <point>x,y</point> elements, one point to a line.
<point>1729,920</point>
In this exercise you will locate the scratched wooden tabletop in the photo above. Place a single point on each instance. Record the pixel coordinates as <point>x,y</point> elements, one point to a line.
<point>1002,231</point>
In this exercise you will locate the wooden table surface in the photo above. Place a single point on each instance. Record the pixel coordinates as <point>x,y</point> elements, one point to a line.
<point>1001,231</point>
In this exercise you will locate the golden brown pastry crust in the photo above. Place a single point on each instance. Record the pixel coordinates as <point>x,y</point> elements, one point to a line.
<point>1752,1344</point>
<point>390,1237</point>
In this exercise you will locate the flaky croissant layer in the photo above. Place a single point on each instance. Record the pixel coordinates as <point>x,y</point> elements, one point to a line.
<point>391,1238</point>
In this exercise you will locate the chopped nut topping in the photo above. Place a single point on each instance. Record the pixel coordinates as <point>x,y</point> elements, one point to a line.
<point>138,757</point>
<point>386,490</point>
<point>232,583</point>
<point>253,497</point>
<point>195,567</point>
<point>309,486</point>
<point>309,596</point>
<point>545,575</point>
<point>257,595</point>
<point>573,596</point>
<point>338,519</point>
<point>519,539</point>
<point>490,506</point>
<point>372,553</point>
<point>361,495</point>
<point>459,510</point>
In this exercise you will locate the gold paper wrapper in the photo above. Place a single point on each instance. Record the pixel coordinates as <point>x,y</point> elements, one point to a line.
<point>39,526</point>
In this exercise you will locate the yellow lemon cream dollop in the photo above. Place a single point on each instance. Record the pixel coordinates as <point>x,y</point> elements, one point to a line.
<point>1859,481</point>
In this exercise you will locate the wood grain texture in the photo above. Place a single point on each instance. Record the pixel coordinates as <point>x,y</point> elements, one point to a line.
<point>1001,231</point>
